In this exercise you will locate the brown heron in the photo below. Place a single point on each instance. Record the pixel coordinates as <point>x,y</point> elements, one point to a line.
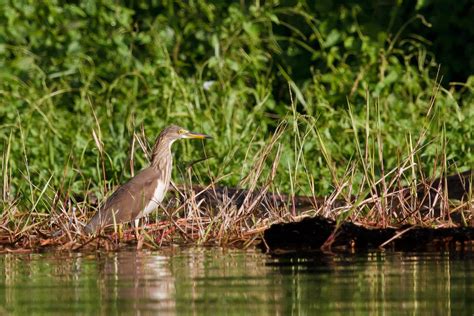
<point>143,193</point>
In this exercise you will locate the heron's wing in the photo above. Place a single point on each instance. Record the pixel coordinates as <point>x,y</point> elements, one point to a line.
<point>132,197</point>
<point>126,203</point>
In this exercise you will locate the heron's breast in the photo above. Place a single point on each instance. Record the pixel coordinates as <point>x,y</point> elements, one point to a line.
<point>158,195</point>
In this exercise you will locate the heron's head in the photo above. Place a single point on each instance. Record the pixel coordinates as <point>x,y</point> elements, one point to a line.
<point>174,132</point>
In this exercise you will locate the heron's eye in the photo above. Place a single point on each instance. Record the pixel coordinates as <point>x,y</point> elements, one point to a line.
<point>181,131</point>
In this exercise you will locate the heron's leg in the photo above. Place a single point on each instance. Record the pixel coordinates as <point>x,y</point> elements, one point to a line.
<point>146,220</point>
<point>136,224</point>
<point>138,236</point>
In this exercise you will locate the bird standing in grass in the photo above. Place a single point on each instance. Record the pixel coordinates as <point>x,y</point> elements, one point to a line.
<point>143,193</point>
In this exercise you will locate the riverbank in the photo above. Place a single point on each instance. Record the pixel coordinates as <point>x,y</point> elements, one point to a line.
<point>439,213</point>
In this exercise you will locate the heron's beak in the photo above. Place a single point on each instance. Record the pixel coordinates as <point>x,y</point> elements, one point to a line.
<point>196,135</point>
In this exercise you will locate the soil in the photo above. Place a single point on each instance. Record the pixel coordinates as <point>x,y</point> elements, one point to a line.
<point>320,233</point>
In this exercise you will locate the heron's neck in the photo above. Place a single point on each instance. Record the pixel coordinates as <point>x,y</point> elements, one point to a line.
<point>161,156</point>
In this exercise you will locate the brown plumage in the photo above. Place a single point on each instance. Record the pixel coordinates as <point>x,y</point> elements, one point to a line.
<point>144,192</point>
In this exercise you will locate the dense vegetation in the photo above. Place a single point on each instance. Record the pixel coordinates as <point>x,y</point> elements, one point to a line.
<point>348,84</point>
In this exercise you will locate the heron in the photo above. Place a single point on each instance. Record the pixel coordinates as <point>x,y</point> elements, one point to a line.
<point>143,193</point>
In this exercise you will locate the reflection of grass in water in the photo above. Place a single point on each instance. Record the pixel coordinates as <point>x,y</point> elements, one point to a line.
<point>74,127</point>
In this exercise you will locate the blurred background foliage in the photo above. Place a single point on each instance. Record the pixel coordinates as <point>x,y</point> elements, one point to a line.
<point>233,69</point>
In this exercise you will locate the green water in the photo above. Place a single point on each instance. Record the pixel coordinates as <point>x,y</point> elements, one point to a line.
<point>215,281</point>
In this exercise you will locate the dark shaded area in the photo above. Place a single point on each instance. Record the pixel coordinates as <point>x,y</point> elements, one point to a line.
<point>316,233</point>
<point>448,26</point>
<point>457,185</point>
<point>451,34</point>
<point>215,196</point>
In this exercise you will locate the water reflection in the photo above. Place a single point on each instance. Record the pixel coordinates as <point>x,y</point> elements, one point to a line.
<point>376,283</point>
<point>217,281</point>
<point>135,281</point>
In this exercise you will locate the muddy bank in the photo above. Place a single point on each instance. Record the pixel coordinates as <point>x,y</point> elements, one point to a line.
<point>320,233</point>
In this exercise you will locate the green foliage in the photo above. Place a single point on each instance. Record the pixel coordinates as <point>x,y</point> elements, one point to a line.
<point>68,70</point>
